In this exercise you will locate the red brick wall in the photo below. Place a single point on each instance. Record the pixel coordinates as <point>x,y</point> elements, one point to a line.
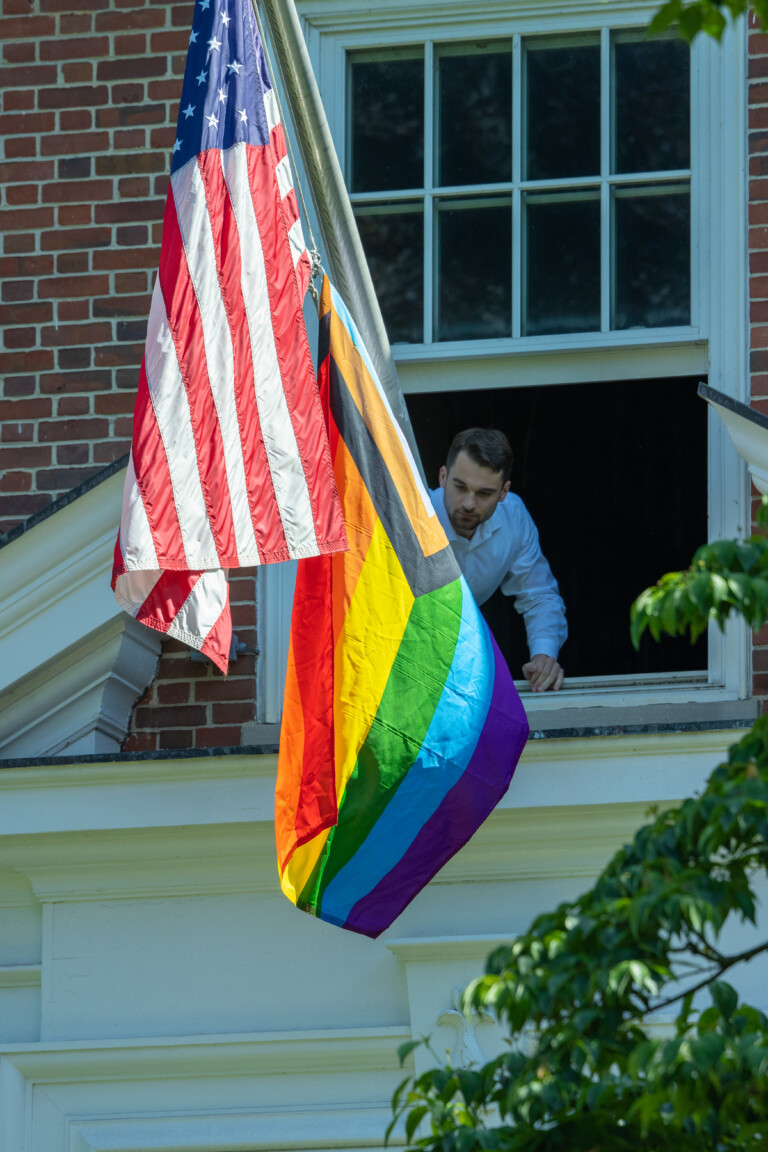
<point>90,93</point>
<point>191,705</point>
<point>89,101</point>
<point>758,273</point>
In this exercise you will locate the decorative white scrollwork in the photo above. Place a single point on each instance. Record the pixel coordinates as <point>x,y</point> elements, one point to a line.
<point>466,1050</point>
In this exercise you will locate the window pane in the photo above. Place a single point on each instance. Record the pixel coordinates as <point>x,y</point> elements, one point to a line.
<point>387,124</point>
<point>653,275</point>
<point>474,116</point>
<point>563,264</point>
<point>562,111</point>
<point>653,105</point>
<point>474,269</point>
<point>394,248</point>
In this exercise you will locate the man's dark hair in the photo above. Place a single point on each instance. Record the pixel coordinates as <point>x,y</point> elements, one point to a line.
<point>486,446</point>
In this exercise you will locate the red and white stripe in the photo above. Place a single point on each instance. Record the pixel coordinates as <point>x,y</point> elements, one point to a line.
<point>230,464</point>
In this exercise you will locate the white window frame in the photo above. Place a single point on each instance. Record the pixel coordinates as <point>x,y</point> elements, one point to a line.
<point>716,345</point>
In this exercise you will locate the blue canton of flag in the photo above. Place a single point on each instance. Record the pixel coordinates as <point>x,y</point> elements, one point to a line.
<point>226,82</point>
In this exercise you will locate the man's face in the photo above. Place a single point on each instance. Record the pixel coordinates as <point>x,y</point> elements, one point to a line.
<point>472,492</point>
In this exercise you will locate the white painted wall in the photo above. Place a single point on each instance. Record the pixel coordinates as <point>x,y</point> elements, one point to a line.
<point>157,991</point>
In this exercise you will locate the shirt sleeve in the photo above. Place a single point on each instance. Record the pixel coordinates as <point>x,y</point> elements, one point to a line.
<point>534,589</point>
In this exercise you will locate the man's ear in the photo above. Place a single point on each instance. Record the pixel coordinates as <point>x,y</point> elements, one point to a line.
<point>504,490</point>
<point>442,476</point>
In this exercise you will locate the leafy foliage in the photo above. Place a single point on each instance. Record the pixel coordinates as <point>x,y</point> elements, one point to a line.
<point>709,17</point>
<point>622,1029</point>
<point>725,577</point>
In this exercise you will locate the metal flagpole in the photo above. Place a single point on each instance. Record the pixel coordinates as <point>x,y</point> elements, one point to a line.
<point>346,258</point>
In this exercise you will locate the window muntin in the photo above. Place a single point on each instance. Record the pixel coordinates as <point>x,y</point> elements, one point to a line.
<point>573,150</point>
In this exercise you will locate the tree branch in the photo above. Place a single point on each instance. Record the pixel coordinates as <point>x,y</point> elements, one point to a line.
<point>727,962</point>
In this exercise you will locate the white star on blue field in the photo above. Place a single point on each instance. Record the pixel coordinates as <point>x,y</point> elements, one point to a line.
<point>222,98</point>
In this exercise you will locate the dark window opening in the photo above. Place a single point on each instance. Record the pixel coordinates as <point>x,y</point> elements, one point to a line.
<point>615,477</point>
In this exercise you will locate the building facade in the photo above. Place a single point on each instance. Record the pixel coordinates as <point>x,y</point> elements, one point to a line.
<point>567,227</point>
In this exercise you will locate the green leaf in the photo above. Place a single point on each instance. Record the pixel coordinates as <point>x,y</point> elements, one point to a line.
<point>404,1051</point>
<point>399,1092</point>
<point>665,16</point>
<point>414,1118</point>
<point>724,997</point>
<point>470,1083</point>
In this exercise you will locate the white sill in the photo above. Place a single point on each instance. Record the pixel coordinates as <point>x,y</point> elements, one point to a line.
<point>626,338</point>
<point>587,706</point>
<point>625,691</point>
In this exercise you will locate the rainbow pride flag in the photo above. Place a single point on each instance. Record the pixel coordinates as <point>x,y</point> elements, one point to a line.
<point>401,725</point>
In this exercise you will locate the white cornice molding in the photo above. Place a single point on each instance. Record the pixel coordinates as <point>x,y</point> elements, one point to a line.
<point>652,749</point>
<point>142,797</point>
<point>110,774</point>
<point>154,828</point>
<point>20,975</point>
<point>438,16</point>
<point>354,1128</point>
<point>147,862</point>
<point>513,845</point>
<point>708,742</point>
<point>72,664</point>
<point>203,1093</point>
<point>428,949</point>
<point>239,1054</point>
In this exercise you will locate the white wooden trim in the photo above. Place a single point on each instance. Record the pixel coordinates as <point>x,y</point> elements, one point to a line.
<point>127,830</point>
<point>274,585</point>
<point>200,1094</point>
<point>72,663</point>
<point>20,976</point>
<point>408,21</point>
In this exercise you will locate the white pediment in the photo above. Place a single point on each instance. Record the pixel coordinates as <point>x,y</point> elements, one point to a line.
<point>72,663</point>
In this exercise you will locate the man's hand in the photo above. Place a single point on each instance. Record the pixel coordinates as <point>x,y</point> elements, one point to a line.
<point>543,672</point>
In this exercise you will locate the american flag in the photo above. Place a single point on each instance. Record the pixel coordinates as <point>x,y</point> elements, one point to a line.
<point>230,464</point>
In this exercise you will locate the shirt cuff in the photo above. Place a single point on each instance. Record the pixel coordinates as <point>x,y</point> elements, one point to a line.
<point>544,646</point>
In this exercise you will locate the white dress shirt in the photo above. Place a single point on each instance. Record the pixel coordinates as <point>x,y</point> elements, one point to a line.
<point>504,553</point>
